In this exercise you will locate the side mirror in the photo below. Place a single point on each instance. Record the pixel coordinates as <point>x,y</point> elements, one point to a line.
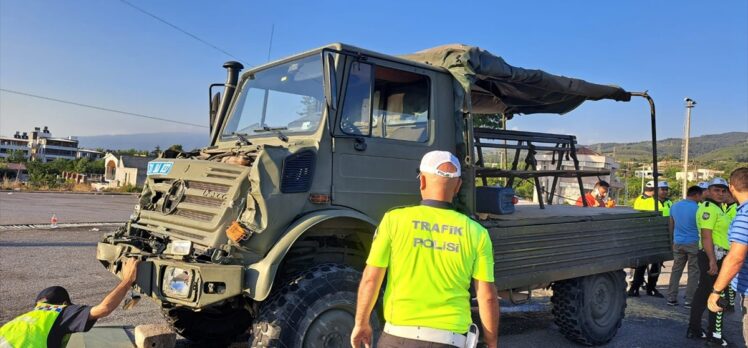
<point>214,102</point>
<point>331,81</point>
<point>214,108</point>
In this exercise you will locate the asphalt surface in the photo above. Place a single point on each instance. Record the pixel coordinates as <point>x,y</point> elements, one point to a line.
<point>37,208</point>
<point>31,260</point>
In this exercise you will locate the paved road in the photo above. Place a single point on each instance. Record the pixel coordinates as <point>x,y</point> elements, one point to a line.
<point>33,259</point>
<point>37,208</point>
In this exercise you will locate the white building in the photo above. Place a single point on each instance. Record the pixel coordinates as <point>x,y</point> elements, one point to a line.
<point>125,170</point>
<point>41,146</point>
<point>567,189</point>
<point>16,143</point>
<point>700,174</point>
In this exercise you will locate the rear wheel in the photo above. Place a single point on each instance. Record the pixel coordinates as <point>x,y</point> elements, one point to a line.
<point>313,309</point>
<point>589,310</point>
<point>216,326</point>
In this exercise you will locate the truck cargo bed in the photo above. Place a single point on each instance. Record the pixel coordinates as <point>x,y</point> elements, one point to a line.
<point>538,246</point>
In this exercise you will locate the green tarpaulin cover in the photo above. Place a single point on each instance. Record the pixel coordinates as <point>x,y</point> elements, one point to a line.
<point>495,87</point>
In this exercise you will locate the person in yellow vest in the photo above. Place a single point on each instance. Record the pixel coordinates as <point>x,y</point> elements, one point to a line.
<point>430,253</point>
<point>646,202</point>
<point>55,317</point>
<point>714,245</point>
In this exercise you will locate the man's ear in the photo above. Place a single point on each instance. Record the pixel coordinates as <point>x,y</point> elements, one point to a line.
<point>422,180</point>
<point>457,187</point>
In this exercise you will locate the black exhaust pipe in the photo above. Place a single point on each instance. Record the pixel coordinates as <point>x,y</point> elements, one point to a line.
<point>233,68</point>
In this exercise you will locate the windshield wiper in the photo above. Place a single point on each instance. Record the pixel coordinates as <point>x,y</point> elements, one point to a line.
<point>277,131</point>
<point>242,139</point>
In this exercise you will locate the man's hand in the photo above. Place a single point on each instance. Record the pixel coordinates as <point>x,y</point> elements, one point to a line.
<point>361,335</point>
<point>130,270</point>
<point>712,303</point>
<point>712,268</point>
<point>115,297</point>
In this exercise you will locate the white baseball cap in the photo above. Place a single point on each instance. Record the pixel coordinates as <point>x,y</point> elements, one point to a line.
<point>432,160</point>
<point>660,184</point>
<point>718,182</point>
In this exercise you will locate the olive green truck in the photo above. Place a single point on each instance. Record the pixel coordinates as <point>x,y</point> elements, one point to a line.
<point>266,230</point>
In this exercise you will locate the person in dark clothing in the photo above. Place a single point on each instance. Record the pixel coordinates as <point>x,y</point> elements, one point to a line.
<point>55,317</point>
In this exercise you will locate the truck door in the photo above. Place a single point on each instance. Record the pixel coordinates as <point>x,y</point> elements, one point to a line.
<point>383,128</point>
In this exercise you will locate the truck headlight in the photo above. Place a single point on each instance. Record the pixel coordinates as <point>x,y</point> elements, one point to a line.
<point>177,282</point>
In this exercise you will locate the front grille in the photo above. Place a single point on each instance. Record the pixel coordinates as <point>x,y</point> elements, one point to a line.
<point>298,170</point>
<point>194,215</point>
<point>206,201</point>
<point>198,185</point>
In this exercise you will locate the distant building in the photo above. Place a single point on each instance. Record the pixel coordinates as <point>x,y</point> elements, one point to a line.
<point>125,170</point>
<point>41,146</point>
<point>645,172</point>
<point>567,189</point>
<point>16,143</point>
<point>700,174</point>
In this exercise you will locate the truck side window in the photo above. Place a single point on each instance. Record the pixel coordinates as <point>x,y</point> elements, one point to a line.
<point>402,104</point>
<point>397,108</point>
<point>356,114</point>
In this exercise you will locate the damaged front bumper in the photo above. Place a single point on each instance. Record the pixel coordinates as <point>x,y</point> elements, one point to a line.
<point>194,285</point>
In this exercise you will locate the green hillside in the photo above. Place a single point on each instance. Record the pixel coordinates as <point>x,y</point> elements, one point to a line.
<point>732,146</point>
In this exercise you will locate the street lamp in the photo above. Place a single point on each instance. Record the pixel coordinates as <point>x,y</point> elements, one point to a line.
<point>686,137</point>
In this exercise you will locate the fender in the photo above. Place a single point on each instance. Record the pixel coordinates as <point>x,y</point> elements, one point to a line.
<point>259,277</point>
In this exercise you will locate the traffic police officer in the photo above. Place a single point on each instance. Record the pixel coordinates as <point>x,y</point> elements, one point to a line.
<point>714,245</point>
<point>54,317</point>
<point>646,202</point>
<point>430,253</point>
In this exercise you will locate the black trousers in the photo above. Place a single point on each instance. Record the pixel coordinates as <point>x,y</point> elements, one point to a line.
<point>389,341</point>
<point>706,283</point>
<point>654,274</point>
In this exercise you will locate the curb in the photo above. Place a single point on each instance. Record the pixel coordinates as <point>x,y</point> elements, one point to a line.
<point>59,226</point>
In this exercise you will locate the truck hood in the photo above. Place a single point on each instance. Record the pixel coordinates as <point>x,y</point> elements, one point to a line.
<point>189,199</point>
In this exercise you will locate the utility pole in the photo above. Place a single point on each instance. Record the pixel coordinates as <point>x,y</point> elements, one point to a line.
<point>690,103</point>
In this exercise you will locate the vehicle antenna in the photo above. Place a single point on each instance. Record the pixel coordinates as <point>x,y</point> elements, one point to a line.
<point>270,44</point>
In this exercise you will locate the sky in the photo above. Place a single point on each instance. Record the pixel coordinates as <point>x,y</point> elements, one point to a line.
<point>108,54</point>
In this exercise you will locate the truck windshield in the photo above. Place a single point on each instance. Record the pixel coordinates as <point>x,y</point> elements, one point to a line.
<point>287,97</point>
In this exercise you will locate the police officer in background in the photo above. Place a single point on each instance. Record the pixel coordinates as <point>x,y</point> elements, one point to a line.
<point>430,254</point>
<point>714,245</point>
<point>54,316</point>
<point>646,202</point>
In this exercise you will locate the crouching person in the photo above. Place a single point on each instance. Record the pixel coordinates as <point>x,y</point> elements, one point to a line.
<point>54,317</point>
<point>430,253</point>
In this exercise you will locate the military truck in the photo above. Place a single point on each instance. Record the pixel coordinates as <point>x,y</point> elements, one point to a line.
<point>266,230</point>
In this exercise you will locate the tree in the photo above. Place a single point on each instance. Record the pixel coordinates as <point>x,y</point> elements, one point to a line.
<point>492,121</point>
<point>16,156</point>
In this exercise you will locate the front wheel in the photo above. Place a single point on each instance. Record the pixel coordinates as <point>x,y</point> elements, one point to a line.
<point>316,308</point>
<point>589,310</point>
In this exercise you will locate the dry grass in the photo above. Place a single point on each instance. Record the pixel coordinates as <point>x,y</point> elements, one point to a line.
<point>10,184</point>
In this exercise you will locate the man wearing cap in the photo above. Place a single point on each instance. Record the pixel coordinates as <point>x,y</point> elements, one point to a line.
<point>430,253</point>
<point>713,225</point>
<point>54,317</point>
<point>646,202</point>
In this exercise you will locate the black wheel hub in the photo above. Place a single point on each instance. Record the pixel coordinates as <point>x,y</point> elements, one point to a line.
<point>325,330</point>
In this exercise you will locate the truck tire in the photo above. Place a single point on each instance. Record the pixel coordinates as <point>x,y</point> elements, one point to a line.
<point>589,310</point>
<point>216,326</point>
<point>316,308</point>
